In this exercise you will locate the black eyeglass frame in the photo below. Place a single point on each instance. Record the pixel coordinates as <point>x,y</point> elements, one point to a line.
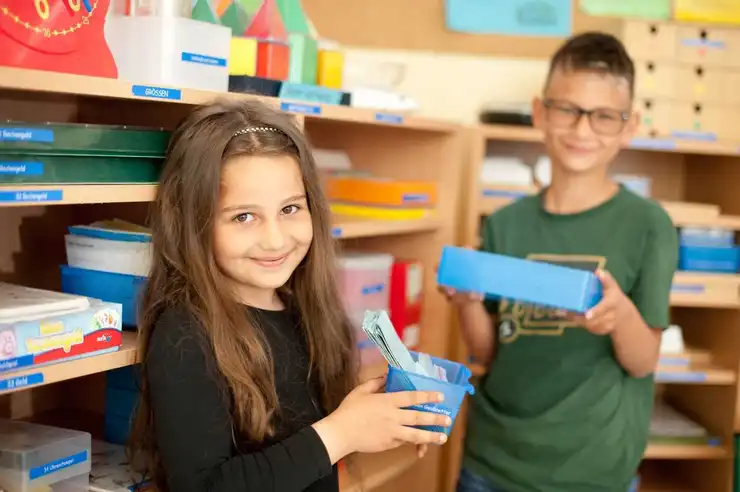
<point>624,116</point>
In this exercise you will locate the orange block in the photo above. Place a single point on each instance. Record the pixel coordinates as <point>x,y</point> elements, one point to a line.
<point>380,191</point>
<point>273,60</point>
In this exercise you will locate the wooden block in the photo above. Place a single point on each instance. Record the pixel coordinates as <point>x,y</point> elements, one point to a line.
<point>243,56</point>
<point>303,59</point>
<point>330,68</point>
<point>703,122</point>
<point>273,60</point>
<point>697,83</point>
<point>656,117</point>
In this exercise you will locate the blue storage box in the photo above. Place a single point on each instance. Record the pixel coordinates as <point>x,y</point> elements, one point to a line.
<point>111,287</point>
<point>121,397</point>
<point>454,389</point>
<point>702,236</point>
<point>534,282</point>
<point>708,259</point>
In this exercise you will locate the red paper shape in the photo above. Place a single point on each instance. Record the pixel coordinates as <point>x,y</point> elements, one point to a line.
<point>267,23</point>
<point>56,35</point>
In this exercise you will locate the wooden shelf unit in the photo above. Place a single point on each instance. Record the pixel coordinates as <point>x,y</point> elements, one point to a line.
<point>32,241</point>
<point>706,306</point>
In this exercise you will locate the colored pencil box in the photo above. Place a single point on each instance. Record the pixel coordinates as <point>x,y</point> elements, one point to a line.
<point>454,389</point>
<point>381,192</point>
<point>534,282</point>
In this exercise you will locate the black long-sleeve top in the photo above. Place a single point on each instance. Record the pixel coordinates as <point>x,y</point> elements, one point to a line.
<point>197,440</point>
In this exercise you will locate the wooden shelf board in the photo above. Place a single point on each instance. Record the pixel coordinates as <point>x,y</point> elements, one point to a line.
<point>685,452</point>
<point>63,371</point>
<point>512,133</point>
<point>352,227</point>
<point>19,79</point>
<point>699,374</point>
<point>653,481</point>
<point>371,471</point>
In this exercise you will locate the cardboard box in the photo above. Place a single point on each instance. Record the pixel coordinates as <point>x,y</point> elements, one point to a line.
<point>656,79</point>
<point>708,46</point>
<point>700,84</point>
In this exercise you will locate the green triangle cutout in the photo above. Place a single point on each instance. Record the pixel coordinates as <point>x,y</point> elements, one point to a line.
<point>235,18</point>
<point>202,12</point>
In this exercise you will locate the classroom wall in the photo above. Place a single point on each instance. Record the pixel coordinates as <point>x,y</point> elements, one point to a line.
<point>455,87</point>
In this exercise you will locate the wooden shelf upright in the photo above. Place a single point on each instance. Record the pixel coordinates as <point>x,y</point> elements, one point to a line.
<point>32,238</point>
<point>695,182</point>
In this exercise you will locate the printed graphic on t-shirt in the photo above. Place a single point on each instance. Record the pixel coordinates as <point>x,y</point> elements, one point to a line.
<point>521,319</point>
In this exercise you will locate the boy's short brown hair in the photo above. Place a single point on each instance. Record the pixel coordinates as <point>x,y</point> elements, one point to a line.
<point>595,51</point>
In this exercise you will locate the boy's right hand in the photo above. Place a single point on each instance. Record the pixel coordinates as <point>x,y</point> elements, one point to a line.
<point>461,298</point>
<point>368,421</point>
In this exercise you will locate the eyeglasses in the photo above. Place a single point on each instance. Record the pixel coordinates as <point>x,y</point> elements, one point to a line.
<point>604,121</point>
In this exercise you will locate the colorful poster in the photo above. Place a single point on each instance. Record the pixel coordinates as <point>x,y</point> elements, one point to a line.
<point>723,11</point>
<point>643,9</point>
<point>551,18</point>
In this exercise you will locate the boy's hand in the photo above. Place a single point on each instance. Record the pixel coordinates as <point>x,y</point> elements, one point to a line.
<point>602,319</point>
<point>460,298</point>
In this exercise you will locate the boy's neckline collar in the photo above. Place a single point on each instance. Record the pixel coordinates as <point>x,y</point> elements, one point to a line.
<point>608,203</point>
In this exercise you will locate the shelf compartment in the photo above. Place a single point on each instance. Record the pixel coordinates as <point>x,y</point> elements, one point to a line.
<point>35,377</point>
<point>716,290</point>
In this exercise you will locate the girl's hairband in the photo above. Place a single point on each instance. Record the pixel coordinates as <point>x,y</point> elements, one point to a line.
<point>254,129</point>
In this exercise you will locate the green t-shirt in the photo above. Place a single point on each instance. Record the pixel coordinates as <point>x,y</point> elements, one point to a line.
<point>556,412</point>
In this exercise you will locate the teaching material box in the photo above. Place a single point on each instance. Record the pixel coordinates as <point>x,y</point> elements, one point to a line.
<point>40,327</point>
<point>506,277</point>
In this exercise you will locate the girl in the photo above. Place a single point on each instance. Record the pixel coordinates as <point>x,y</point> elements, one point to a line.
<point>248,357</point>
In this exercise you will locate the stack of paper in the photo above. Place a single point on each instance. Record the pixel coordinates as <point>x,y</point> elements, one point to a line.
<point>379,330</point>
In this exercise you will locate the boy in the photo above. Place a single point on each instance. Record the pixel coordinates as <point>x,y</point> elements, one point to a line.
<point>566,404</point>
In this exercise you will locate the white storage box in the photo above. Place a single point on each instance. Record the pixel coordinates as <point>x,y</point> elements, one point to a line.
<point>105,255</point>
<point>170,52</point>
<point>37,457</point>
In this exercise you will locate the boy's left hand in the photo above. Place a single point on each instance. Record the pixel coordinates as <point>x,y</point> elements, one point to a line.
<point>602,318</point>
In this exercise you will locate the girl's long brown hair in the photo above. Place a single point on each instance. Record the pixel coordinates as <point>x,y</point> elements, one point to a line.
<point>184,272</point>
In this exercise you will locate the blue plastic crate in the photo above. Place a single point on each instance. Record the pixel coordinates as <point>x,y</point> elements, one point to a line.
<point>700,236</point>
<point>454,389</point>
<point>534,282</point>
<point>709,259</point>
<point>111,287</point>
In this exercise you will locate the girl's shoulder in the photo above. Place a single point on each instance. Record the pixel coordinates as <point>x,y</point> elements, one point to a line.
<point>176,330</point>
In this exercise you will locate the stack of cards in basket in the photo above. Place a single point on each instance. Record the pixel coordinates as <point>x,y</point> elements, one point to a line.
<point>379,330</point>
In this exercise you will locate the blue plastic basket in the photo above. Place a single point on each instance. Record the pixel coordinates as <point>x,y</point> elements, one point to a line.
<point>454,390</point>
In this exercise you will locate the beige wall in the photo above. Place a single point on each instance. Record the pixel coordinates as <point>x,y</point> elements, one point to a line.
<point>452,87</point>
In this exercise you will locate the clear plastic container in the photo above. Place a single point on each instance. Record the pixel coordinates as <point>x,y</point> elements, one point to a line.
<point>38,457</point>
<point>124,257</point>
<point>364,281</point>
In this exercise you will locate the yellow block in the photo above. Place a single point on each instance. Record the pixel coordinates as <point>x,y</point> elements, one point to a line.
<point>722,11</point>
<point>382,213</point>
<point>329,68</point>
<point>243,56</point>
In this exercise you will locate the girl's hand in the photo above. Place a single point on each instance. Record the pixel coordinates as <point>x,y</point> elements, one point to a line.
<point>369,422</point>
<point>461,298</point>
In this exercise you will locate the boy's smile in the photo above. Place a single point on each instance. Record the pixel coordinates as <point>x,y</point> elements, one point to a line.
<point>585,117</point>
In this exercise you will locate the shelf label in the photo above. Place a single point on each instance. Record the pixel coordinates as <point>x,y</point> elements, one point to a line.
<point>21,381</point>
<point>22,168</point>
<point>300,108</point>
<point>203,59</point>
<point>56,465</point>
<point>389,118</point>
<point>701,136</point>
<point>703,43</point>
<point>31,196</point>
<point>680,377</point>
<point>503,193</point>
<point>336,232</point>
<point>156,92</point>
<point>372,289</point>
<point>16,363</point>
<point>26,135</point>
<point>688,288</point>
<point>310,93</point>
<point>653,143</point>
<point>415,198</point>
<point>672,361</point>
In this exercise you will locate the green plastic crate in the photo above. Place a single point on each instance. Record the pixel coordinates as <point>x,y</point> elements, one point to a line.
<point>46,169</point>
<point>74,139</point>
